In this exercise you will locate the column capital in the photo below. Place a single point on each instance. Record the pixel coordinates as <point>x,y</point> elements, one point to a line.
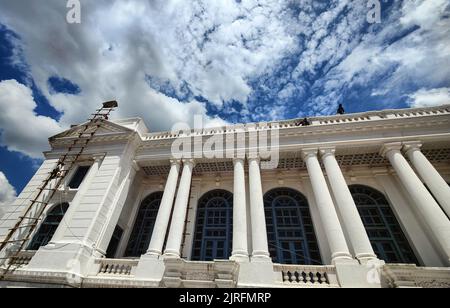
<point>188,161</point>
<point>309,152</point>
<point>254,158</point>
<point>238,159</point>
<point>135,165</point>
<point>388,147</point>
<point>327,151</point>
<point>98,158</point>
<point>412,146</point>
<point>175,162</point>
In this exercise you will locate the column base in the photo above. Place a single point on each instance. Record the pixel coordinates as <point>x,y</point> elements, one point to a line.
<point>76,260</point>
<point>240,257</point>
<point>358,276</point>
<point>171,254</point>
<point>150,268</point>
<point>343,257</point>
<point>261,256</point>
<point>256,274</point>
<point>365,258</point>
<point>153,254</point>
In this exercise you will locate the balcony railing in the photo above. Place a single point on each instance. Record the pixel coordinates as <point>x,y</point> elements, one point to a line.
<point>116,267</point>
<point>315,121</point>
<point>21,260</point>
<point>305,275</point>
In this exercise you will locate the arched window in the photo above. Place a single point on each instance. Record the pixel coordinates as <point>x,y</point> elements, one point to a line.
<point>214,226</point>
<point>383,228</point>
<point>143,227</point>
<point>290,230</point>
<point>48,228</point>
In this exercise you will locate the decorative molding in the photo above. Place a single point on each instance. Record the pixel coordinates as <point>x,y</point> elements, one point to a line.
<point>327,151</point>
<point>309,152</point>
<point>411,146</point>
<point>405,275</point>
<point>388,147</point>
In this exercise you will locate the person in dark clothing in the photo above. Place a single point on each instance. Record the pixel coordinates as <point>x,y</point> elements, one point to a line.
<point>341,109</point>
<point>305,122</point>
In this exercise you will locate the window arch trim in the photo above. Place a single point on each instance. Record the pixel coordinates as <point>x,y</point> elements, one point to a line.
<point>288,212</point>
<point>213,229</point>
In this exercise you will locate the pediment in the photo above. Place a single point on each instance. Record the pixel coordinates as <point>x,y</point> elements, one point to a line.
<point>107,128</point>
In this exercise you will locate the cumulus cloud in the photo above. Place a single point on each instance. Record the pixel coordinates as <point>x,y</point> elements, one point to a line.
<point>428,98</point>
<point>21,129</point>
<point>409,48</point>
<point>7,192</point>
<point>166,60</point>
<point>213,47</point>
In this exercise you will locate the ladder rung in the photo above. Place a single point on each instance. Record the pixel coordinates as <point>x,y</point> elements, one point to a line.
<point>57,175</point>
<point>49,189</point>
<point>101,109</point>
<point>14,241</point>
<point>68,160</point>
<point>31,218</point>
<point>41,202</point>
<point>82,140</point>
<point>21,227</point>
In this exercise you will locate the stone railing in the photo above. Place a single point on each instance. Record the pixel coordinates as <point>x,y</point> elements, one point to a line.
<point>411,276</point>
<point>315,121</point>
<point>22,259</point>
<point>116,267</point>
<point>305,275</point>
<point>218,274</point>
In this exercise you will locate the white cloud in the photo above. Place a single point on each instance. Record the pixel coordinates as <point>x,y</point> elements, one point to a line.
<point>213,46</point>
<point>21,129</point>
<point>395,56</point>
<point>428,98</point>
<point>423,13</point>
<point>219,49</point>
<point>7,193</point>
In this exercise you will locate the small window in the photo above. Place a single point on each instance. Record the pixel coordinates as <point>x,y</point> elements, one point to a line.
<point>78,177</point>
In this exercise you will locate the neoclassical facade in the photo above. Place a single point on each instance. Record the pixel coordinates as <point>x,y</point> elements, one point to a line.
<point>357,200</point>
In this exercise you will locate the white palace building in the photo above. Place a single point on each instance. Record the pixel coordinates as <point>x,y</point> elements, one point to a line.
<point>356,200</point>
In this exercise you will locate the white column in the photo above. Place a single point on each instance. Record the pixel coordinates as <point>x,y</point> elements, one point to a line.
<point>240,248</point>
<point>347,207</point>
<point>333,230</point>
<point>258,219</point>
<point>165,209</point>
<point>179,212</point>
<point>429,174</point>
<point>427,207</point>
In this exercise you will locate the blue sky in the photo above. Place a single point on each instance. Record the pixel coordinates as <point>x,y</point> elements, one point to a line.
<point>230,61</point>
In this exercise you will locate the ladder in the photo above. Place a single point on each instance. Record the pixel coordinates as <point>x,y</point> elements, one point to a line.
<point>32,215</point>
